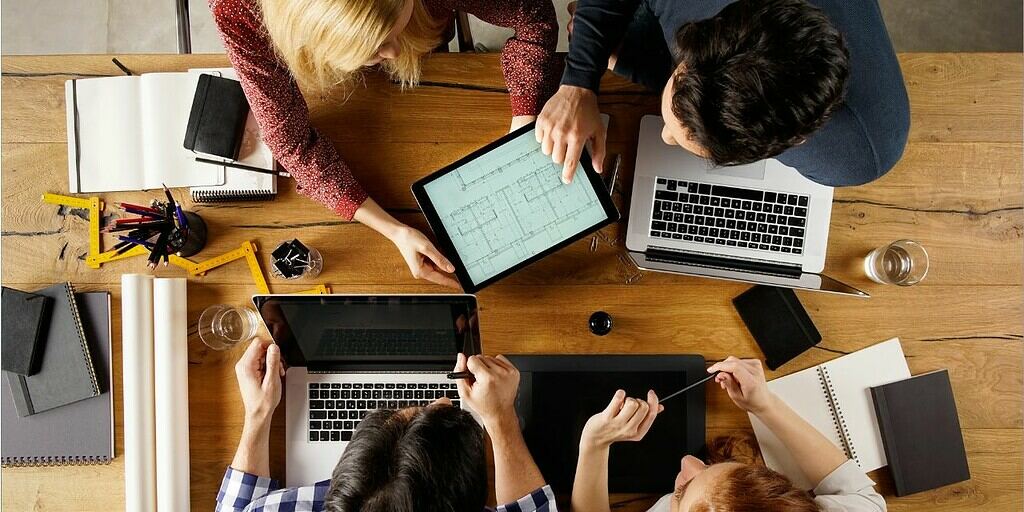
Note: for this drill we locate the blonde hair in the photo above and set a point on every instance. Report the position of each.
(326, 43)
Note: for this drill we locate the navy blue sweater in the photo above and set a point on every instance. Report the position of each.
(861, 142)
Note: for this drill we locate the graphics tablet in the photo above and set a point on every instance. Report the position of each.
(558, 394)
(505, 206)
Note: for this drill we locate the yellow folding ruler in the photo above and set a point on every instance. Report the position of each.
(95, 207)
(321, 289)
(247, 251)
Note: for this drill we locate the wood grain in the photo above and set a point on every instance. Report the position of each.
(958, 190)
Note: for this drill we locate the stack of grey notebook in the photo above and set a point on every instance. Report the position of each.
(63, 413)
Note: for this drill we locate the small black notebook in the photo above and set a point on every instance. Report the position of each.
(22, 329)
(921, 432)
(778, 322)
(66, 372)
(217, 120)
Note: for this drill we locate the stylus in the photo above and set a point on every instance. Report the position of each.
(460, 375)
(691, 386)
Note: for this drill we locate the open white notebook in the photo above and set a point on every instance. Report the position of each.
(835, 397)
(126, 132)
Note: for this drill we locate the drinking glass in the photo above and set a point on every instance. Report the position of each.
(222, 326)
(903, 263)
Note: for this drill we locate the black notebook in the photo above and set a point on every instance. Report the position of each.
(778, 322)
(66, 373)
(24, 319)
(217, 120)
(921, 432)
(78, 433)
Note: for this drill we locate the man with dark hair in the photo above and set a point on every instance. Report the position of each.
(812, 83)
(422, 459)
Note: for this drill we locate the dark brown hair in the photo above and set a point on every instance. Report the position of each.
(431, 461)
(757, 78)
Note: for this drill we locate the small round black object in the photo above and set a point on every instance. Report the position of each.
(600, 323)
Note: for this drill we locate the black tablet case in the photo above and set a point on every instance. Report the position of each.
(23, 330)
(573, 388)
(921, 432)
(778, 322)
(217, 119)
(66, 372)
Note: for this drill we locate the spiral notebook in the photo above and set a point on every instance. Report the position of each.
(835, 398)
(78, 433)
(240, 185)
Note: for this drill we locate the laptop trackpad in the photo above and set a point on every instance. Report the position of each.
(754, 171)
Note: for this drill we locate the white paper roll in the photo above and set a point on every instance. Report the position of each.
(137, 371)
(170, 340)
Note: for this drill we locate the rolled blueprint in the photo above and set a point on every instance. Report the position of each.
(137, 371)
(170, 342)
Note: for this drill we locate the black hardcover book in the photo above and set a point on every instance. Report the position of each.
(778, 322)
(22, 330)
(66, 372)
(921, 432)
(217, 120)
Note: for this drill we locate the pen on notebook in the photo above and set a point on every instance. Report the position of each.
(687, 388)
(460, 375)
(233, 165)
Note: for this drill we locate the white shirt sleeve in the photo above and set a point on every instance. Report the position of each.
(848, 489)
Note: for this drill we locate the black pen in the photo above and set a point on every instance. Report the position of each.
(691, 386)
(460, 375)
(233, 165)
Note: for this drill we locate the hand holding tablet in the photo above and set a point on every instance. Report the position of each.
(505, 206)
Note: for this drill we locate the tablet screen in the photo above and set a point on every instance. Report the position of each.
(509, 204)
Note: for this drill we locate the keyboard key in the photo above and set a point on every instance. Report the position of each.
(751, 215)
(371, 404)
(360, 404)
(698, 209)
(705, 189)
(783, 230)
(666, 234)
(342, 415)
(335, 385)
(658, 225)
(731, 243)
(346, 385)
(705, 200)
(716, 201)
(787, 241)
(788, 210)
(692, 230)
(335, 436)
(377, 394)
(719, 212)
(379, 385)
(677, 207)
(735, 203)
(767, 208)
(329, 404)
(801, 212)
(347, 425)
(665, 195)
(346, 436)
(796, 221)
(787, 249)
(734, 235)
(657, 205)
(772, 219)
(704, 231)
(661, 181)
(719, 223)
(730, 214)
(796, 232)
(737, 193)
(798, 242)
(713, 233)
(792, 199)
(762, 228)
(773, 229)
(769, 197)
(745, 205)
(720, 241)
(741, 225)
(692, 188)
(363, 413)
(783, 220)
(709, 221)
(756, 207)
(314, 435)
(399, 386)
(335, 394)
(671, 185)
(318, 415)
(314, 425)
(730, 224)
(755, 237)
(392, 404)
(776, 240)
(678, 217)
(745, 236)
(698, 221)
(698, 239)
(802, 201)
(761, 217)
(314, 394)
(332, 415)
(797, 251)
(316, 404)
(688, 238)
(777, 208)
(741, 243)
(688, 219)
(687, 208)
(763, 247)
(402, 404)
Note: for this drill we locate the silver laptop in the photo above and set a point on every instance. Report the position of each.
(348, 355)
(761, 223)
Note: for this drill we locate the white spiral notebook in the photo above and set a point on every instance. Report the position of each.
(835, 398)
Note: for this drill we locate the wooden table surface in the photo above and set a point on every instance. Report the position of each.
(957, 190)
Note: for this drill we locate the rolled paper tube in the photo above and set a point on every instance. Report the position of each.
(137, 371)
(170, 349)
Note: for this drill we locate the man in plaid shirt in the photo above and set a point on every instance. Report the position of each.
(421, 459)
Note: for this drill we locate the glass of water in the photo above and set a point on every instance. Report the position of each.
(903, 263)
(222, 326)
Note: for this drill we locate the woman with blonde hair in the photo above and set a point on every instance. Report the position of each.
(279, 48)
(728, 485)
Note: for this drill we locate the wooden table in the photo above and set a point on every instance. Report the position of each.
(957, 191)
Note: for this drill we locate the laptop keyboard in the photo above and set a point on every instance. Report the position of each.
(729, 216)
(335, 409)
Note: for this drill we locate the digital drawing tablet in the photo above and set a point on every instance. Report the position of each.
(558, 394)
(504, 207)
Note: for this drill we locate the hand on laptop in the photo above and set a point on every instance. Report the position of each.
(259, 373)
(744, 380)
(492, 390)
(568, 121)
(625, 419)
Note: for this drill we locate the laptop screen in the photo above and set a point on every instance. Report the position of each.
(335, 329)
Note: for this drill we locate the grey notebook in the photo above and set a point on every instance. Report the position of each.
(66, 372)
(77, 433)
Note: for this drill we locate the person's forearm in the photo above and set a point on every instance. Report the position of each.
(253, 454)
(371, 215)
(812, 451)
(590, 489)
(515, 472)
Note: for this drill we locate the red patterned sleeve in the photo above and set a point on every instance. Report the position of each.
(528, 59)
(281, 112)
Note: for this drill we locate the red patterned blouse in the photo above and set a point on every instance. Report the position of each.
(528, 63)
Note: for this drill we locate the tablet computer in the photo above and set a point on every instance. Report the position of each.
(504, 207)
(559, 393)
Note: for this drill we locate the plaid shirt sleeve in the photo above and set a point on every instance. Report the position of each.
(541, 500)
(239, 488)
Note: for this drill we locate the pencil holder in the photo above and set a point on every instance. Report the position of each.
(195, 239)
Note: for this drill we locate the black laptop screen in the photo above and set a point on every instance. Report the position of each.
(345, 329)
